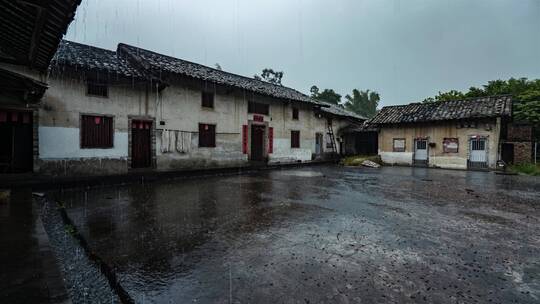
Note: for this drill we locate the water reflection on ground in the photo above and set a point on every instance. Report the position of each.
(321, 234)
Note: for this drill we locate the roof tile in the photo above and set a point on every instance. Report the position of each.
(481, 107)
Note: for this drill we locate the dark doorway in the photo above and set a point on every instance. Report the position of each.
(16, 144)
(141, 140)
(257, 142)
(507, 153)
(367, 143)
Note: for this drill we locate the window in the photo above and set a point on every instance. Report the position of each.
(207, 135)
(207, 100)
(478, 144)
(450, 145)
(96, 131)
(295, 113)
(399, 145)
(258, 108)
(295, 139)
(95, 88)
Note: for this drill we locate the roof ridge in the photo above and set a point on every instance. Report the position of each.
(89, 46)
(217, 70)
(448, 101)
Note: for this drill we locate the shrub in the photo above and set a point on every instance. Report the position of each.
(529, 169)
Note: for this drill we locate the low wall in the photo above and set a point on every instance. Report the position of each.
(81, 166)
(448, 162)
(396, 158)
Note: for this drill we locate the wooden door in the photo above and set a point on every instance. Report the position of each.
(257, 142)
(141, 141)
(16, 141)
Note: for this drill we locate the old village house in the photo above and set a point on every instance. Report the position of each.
(109, 112)
(453, 134)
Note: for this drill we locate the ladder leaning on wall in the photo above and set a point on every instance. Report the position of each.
(335, 152)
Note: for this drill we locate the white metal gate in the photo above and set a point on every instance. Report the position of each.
(420, 151)
(478, 153)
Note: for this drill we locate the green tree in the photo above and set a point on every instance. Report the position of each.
(271, 76)
(527, 107)
(363, 102)
(327, 95)
(446, 96)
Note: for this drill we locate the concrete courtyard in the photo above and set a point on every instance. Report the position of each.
(323, 234)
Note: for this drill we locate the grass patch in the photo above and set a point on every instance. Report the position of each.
(358, 159)
(529, 169)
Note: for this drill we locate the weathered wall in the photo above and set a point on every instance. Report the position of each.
(523, 152)
(59, 126)
(436, 133)
(177, 110)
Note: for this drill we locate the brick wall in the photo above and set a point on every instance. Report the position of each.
(519, 133)
(522, 152)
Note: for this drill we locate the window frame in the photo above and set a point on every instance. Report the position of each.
(295, 145)
(295, 113)
(450, 138)
(212, 142)
(90, 82)
(394, 149)
(252, 108)
(83, 133)
(207, 94)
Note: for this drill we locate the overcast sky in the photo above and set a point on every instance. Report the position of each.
(404, 49)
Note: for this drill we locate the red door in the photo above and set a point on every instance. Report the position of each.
(141, 156)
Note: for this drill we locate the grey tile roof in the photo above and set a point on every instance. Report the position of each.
(159, 63)
(339, 111)
(482, 107)
(92, 58)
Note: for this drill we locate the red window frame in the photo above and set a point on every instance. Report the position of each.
(399, 149)
(97, 132)
(207, 135)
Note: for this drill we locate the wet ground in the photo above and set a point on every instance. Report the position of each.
(29, 272)
(320, 234)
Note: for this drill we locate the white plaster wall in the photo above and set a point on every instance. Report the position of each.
(284, 153)
(64, 143)
(179, 106)
(448, 162)
(397, 158)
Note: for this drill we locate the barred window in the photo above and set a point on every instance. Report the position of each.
(96, 131)
(207, 135)
(95, 88)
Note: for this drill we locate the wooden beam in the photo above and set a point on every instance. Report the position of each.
(35, 3)
(41, 17)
